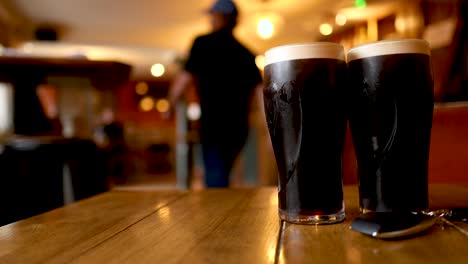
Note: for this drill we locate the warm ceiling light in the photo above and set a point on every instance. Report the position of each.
(325, 29)
(146, 104)
(157, 70)
(341, 19)
(260, 62)
(265, 28)
(162, 105)
(141, 88)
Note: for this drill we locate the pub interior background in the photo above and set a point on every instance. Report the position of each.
(143, 44)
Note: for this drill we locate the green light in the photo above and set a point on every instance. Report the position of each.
(360, 3)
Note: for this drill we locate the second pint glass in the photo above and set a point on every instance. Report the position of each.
(391, 95)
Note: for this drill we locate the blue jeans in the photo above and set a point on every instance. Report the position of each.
(218, 162)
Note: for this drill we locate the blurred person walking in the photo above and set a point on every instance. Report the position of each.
(225, 76)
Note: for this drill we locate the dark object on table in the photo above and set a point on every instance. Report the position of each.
(458, 214)
(392, 225)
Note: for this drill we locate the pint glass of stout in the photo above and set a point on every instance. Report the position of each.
(391, 98)
(303, 99)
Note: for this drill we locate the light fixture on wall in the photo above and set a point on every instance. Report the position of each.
(341, 19)
(141, 88)
(325, 29)
(162, 105)
(146, 104)
(157, 70)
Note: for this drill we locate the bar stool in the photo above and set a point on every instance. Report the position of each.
(39, 174)
(31, 179)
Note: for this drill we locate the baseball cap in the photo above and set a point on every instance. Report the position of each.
(226, 7)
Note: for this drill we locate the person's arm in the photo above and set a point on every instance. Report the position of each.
(183, 81)
(186, 78)
(259, 96)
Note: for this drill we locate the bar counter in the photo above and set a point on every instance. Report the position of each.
(217, 226)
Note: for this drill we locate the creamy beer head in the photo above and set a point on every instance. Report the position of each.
(389, 47)
(313, 50)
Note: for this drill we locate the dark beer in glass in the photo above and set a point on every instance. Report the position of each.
(303, 99)
(391, 104)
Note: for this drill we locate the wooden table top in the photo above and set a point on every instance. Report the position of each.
(216, 226)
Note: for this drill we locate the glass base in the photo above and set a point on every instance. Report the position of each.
(296, 218)
(365, 211)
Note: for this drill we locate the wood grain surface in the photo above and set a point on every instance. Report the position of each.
(337, 244)
(217, 226)
(206, 227)
(63, 234)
